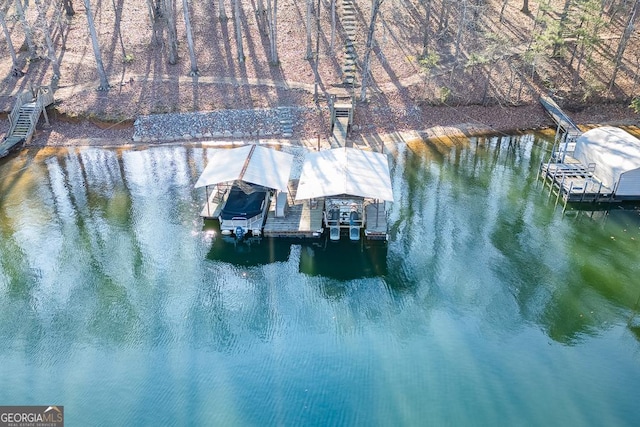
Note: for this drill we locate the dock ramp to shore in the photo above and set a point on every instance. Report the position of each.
(342, 109)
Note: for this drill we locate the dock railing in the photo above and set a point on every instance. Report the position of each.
(23, 98)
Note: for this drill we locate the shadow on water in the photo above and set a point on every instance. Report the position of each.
(246, 253)
(343, 260)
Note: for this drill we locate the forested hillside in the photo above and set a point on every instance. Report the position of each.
(182, 55)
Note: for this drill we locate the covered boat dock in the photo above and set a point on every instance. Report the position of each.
(603, 166)
(354, 187)
(230, 169)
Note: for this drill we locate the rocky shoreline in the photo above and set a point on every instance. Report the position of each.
(308, 125)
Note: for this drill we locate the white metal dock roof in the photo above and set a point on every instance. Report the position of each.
(614, 151)
(345, 171)
(250, 163)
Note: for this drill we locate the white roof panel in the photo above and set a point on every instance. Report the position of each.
(345, 171)
(613, 150)
(249, 163)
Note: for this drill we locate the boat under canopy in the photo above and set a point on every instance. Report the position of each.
(250, 163)
(244, 181)
(347, 171)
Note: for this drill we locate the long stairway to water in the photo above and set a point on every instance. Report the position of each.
(349, 24)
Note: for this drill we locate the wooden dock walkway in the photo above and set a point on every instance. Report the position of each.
(573, 182)
(376, 221)
(302, 219)
(567, 178)
(559, 117)
(212, 208)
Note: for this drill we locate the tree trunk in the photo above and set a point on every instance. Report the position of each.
(192, 52)
(525, 7)
(375, 9)
(44, 27)
(104, 83)
(622, 46)
(68, 7)
(444, 14)
(333, 26)
(272, 14)
(156, 35)
(168, 13)
(427, 25)
(28, 33)
(309, 53)
(238, 25)
(561, 27)
(12, 51)
(118, 12)
(504, 6)
(262, 17)
(222, 14)
(461, 26)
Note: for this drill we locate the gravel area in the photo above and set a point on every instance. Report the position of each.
(215, 124)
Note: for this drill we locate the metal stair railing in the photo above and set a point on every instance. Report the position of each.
(23, 98)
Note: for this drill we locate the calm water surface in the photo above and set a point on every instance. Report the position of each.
(487, 307)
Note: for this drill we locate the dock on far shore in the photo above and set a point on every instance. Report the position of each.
(599, 165)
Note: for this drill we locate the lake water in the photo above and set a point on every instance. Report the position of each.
(487, 306)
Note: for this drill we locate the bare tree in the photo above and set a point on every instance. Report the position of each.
(44, 27)
(12, 51)
(162, 15)
(222, 14)
(118, 12)
(28, 32)
(427, 26)
(309, 53)
(192, 51)
(262, 17)
(104, 82)
(622, 46)
(333, 25)
(156, 25)
(504, 6)
(445, 10)
(375, 10)
(238, 26)
(68, 7)
(461, 25)
(272, 19)
(169, 16)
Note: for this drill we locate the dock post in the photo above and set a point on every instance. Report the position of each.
(206, 189)
(584, 191)
(559, 190)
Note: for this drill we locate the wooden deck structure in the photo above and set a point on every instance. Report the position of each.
(341, 108)
(375, 227)
(301, 219)
(24, 117)
(567, 178)
(573, 182)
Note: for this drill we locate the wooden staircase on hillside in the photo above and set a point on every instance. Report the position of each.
(24, 117)
(350, 27)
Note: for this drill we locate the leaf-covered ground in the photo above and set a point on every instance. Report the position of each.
(474, 72)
